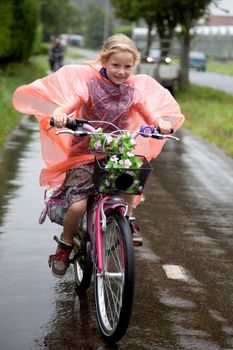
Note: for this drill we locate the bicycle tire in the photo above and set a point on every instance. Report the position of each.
(83, 266)
(115, 289)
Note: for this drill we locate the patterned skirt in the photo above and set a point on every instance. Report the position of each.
(77, 186)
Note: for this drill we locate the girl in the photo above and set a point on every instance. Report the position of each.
(105, 89)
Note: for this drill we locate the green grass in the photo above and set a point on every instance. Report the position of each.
(12, 76)
(225, 67)
(220, 67)
(209, 114)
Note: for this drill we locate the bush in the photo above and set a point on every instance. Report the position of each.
(18, 28)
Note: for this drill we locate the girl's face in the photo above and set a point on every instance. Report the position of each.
(119, 67)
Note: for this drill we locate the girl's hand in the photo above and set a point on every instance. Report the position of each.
(60, 117)
(165, 126)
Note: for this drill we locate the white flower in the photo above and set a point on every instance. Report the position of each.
(114, 158)
(107, 183)
(130, 154)
(133, 142)
(97, 145)
(140, 189)
(108, 139)
(121, 162)
(127, 163)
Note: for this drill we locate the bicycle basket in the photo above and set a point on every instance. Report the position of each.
(124, 180)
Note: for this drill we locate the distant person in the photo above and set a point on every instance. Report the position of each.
(56, 55)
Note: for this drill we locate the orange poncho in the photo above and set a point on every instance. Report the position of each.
(83, 90)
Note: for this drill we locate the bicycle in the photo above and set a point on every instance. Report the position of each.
(103, 244)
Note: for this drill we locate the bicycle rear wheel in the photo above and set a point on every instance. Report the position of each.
(83, 265)
(114, 289)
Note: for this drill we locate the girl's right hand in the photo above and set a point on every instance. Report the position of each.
(60, 117)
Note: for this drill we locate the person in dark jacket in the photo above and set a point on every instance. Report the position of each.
(56, 55)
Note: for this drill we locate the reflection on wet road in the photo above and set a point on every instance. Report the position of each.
(184, 282)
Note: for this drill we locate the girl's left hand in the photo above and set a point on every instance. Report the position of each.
(165, 126)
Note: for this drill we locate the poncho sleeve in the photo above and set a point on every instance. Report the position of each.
(66, 88)
(152, 102)
(155, 102)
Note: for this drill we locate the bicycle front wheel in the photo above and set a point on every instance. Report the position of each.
(114, 288)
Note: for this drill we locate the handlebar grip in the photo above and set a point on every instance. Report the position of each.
(159, 130)
(71, 124)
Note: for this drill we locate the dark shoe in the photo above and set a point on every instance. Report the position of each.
(59, 262)
(136, 233)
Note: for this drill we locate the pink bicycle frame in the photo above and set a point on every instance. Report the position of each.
(105, 204)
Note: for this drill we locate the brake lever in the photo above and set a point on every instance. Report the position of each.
(159, 136)
(69, 131)
(65, 131)
(171, 137)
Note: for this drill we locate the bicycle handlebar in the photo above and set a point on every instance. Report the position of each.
(82, 127)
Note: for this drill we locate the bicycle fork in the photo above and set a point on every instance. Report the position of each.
(105, 205)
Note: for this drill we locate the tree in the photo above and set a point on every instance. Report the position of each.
(132, 10)
(94, 31)
(59, 17)
(19, 21)
(186, 14)
(6, 22)
(167, 15)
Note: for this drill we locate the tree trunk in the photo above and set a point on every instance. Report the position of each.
(184, 61)
(185, 47)
(149, 38)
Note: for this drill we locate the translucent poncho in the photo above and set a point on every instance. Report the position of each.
(83, 90)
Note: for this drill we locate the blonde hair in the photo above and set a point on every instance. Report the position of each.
(119, 43)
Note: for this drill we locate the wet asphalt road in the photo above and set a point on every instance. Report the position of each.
(184, 282)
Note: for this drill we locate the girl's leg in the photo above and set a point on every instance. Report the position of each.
(129, 198)
(72, 219)
(59, 262)
(136, 231)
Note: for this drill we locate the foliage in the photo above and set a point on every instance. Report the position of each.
(19, 21)
(6, 22)
(59, 17)
(186, 13)
(124, 29)
(119, 159)
(166, 15)
(12, 76)
(94, 19)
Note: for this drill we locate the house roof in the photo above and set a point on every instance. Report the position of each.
(219, 21)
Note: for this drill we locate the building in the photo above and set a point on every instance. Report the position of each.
(214, 37)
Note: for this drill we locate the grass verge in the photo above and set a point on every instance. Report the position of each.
(209, 115)
(12, 76)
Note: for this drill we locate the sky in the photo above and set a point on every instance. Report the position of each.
(224, 4)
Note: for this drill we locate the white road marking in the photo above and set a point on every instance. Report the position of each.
(176, 272)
